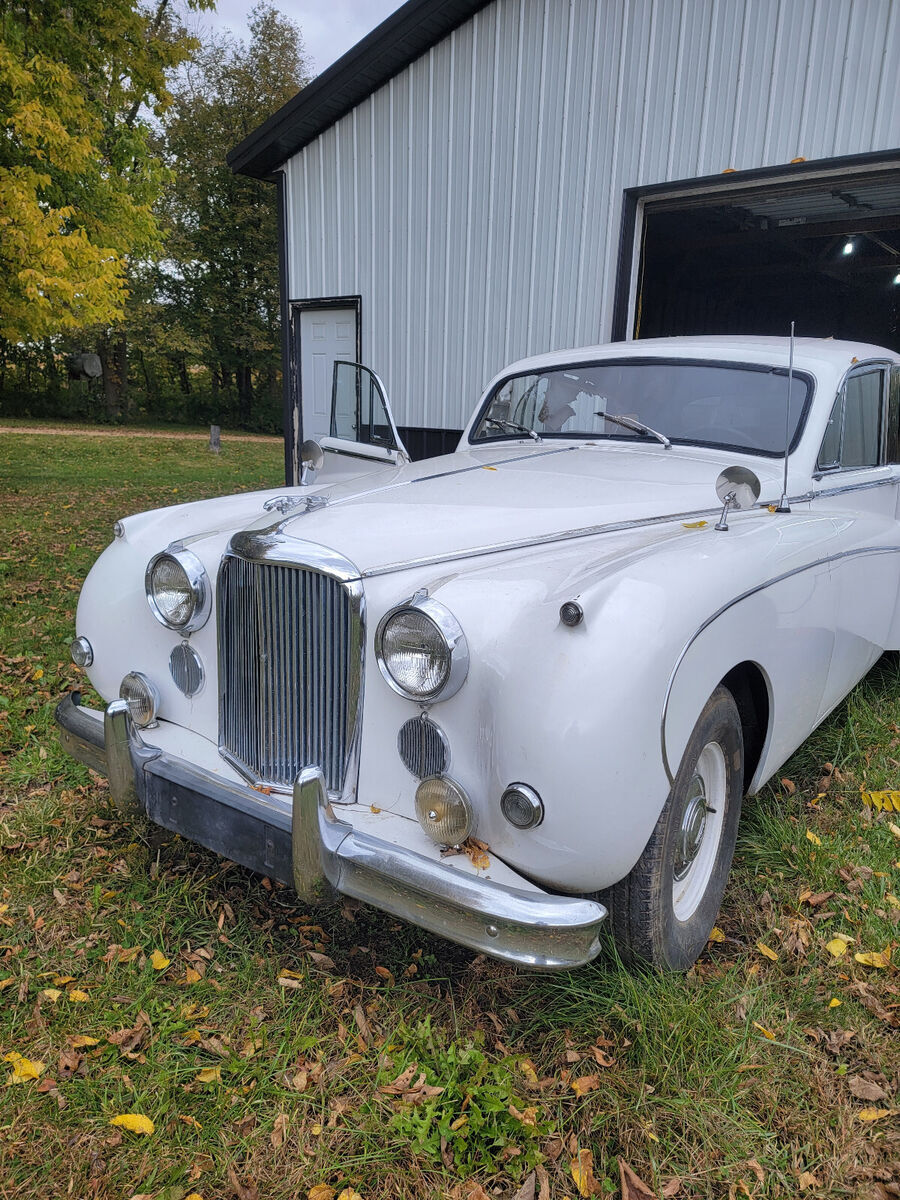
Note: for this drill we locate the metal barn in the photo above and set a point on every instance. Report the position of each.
(476, 181)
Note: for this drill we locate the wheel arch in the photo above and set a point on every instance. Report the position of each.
(750, 689)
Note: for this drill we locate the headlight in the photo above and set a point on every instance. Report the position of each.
(421, 650)
(178, 590)
(142, 698)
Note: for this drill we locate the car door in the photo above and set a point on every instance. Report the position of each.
(857, 477)
(362, 424)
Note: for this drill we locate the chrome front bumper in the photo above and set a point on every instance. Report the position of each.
(312, 845)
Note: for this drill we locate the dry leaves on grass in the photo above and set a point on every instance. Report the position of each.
(865, 1089)
(23, 1069)
(633, 1188)
(582, 1168)
(875, 958)
(410, 1089)
(584, 1084)
(134, 1123)
(158, 960)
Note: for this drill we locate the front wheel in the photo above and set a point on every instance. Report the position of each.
(663, 911)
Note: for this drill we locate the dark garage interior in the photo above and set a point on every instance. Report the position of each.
(825, 255)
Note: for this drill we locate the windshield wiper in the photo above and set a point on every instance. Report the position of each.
(512, 425)
(636, 427)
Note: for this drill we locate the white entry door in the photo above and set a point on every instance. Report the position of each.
(326, 334)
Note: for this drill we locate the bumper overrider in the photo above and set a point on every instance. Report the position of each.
(311, 846)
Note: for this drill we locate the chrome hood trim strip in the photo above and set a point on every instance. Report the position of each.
(543, 539)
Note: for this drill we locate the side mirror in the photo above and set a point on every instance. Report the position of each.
(737, 488)
(311, 458)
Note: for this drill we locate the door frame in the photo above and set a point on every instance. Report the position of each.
(294, 427)
(839, 169)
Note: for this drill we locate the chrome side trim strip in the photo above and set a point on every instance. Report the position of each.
(542, 539)
(760, 587)
(854, 487)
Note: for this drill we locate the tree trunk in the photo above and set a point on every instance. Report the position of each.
(113, 354)
(245, 393)
(184, 378)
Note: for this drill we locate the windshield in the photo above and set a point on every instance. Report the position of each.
(718, 404)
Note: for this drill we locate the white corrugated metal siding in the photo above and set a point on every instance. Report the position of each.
(475, 201)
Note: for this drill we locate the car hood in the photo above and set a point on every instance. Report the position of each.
(479, 500)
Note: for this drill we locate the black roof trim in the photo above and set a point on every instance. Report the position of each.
(393, 45)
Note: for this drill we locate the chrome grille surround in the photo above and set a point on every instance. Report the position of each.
(291, 639)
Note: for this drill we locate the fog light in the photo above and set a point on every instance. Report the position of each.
(142, 698)
(82, 652)
(444, 810)
(522, 806)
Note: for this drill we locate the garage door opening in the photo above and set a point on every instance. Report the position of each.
(824, 254)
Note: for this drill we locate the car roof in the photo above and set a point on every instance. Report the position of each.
(813, 354)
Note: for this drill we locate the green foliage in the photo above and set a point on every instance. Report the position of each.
(78, 174)
(478, 1118)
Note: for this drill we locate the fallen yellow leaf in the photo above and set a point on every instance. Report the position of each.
(23, 1069)
(194, 1196)
(77, 996)
(767, 951)
(209, 1075)
(8, 982)
(873, 1114)
(875, 958)
(61, 980)
(158, 960)
(584, 1084)
(716, 934)
(316, 1130)
(80, 1040)
(834, 1002)
(582, 1169)
(459, 1122)
(51, 994)
(892, 900)
(807, 1180)
(192, 976)
(895, 829)
(811, 837)
(321, 1191)
(767, 1033)
(349, 1194)
(837, 947)
(526, 1066)
(134, 1122)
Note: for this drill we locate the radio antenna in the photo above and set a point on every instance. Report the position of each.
(783, 506)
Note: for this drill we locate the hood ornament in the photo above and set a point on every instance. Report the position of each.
(286, 504)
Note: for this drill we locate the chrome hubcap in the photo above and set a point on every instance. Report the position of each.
(693, 826)
(700, 832)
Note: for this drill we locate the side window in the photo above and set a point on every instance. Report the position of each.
(853, 436)
(359, 411)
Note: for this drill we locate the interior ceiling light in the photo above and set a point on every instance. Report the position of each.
(897, 279)
(849, 246)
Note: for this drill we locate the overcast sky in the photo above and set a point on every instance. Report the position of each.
(330, 27)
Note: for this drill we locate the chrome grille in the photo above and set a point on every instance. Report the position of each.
(288, 636)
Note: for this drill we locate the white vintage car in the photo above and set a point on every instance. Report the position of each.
(573, 645)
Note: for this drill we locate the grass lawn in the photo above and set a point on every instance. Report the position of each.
(142, 975)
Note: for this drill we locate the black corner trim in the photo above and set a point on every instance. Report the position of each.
(401, 39)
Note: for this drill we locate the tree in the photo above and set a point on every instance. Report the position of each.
(220, 274)
(78, 174)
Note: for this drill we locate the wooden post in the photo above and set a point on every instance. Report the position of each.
(214, 438)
